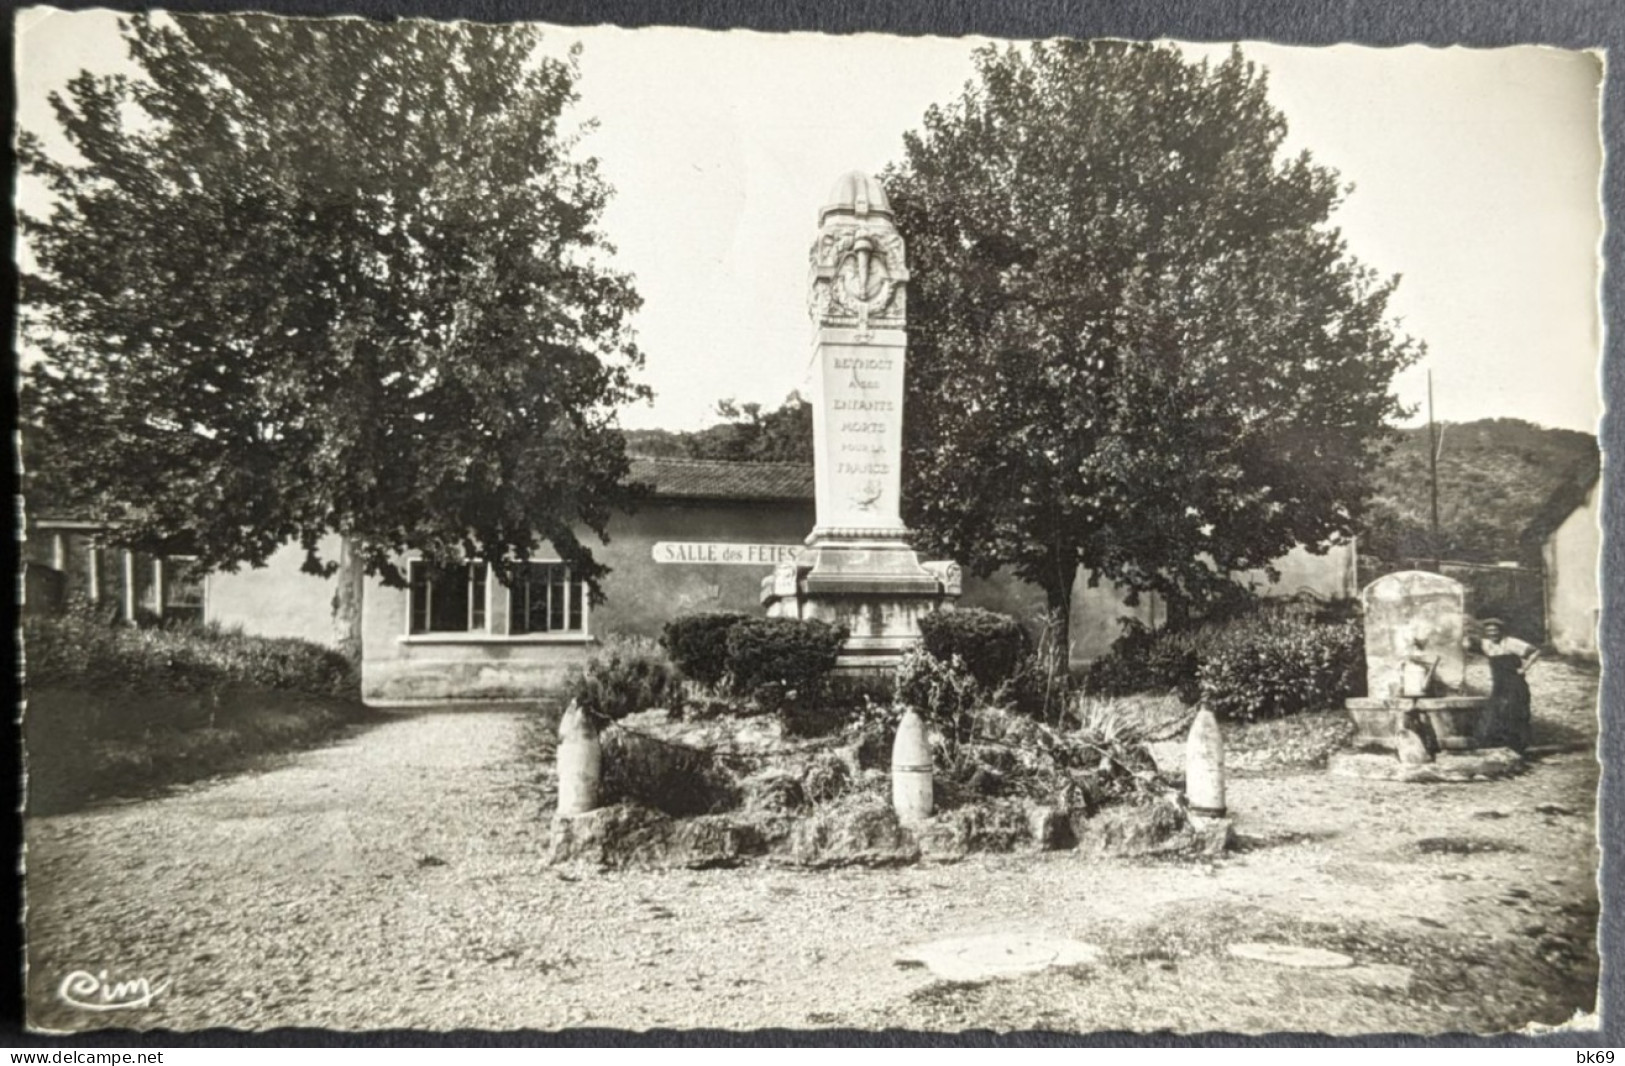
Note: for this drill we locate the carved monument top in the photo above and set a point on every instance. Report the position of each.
(856, 193)
(858, 260)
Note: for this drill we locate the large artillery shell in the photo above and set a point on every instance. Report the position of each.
(911, 771)
(580, 759)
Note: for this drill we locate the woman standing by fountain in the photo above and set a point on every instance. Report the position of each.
(1506, 719)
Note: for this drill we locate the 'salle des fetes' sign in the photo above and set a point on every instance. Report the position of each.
(724, 553)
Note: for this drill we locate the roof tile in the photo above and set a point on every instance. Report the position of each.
(720, 479)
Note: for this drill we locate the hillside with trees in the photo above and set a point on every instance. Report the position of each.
(1494, 476)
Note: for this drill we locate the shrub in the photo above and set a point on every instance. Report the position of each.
(274, 663)
(1043, 682)
(1115, 674)
(852, 694)
(941, 690)
(82, 649)
(1143, 660)
(1279, 663)
(1173, 663)
(826, 778)
(803, 718)
(630, 674)
(790, 653)
(991, 645)
(1305, 654)
(1108, 727)
(1102, 759)
(698, 644)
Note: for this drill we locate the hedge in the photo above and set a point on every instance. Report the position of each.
(793, 653)
(992, 646)
(698, 644)
(1271, 661)
(1143, 660)
(83, 649)
(1282, 665)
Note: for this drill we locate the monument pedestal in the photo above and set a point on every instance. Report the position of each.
(876, 587)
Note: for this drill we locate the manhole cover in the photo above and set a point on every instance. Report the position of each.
(1291, 955)
(1463, 846)
(980, 958)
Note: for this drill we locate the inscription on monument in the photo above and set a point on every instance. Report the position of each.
(863, 393)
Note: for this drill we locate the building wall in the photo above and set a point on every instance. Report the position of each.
(1097, 617)
(277, 600)
(1097, 612)
(1573, 599)
(1330, 575)
(642, 594)
(402, 669)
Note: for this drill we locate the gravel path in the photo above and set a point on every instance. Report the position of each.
(399, 879)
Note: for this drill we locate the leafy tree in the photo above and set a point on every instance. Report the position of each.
(748, 434)
(328, 276)
(1136, 346)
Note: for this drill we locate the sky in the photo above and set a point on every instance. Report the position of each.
(1476, 177)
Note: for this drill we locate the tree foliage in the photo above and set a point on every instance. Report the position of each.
(327, 276)
(749, 434)
(746, 434)
(1136, 345)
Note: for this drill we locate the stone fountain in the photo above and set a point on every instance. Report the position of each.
(1415, 662)
(1417, 703)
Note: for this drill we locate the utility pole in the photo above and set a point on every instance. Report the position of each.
(1433, 476)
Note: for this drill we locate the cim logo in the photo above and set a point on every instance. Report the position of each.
(96, 991)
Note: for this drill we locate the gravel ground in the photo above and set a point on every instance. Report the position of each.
(398, 879)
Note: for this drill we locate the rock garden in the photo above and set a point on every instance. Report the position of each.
(736, 740)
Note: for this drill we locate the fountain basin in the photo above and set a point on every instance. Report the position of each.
(1454, 719)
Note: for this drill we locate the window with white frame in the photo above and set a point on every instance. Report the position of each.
(447, 599)
(181, 589)
(544, 599)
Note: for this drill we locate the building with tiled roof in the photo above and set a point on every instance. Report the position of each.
(720, 479)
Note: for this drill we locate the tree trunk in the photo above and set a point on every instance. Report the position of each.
(1059, 601)
(1178, 609)
(347, 589)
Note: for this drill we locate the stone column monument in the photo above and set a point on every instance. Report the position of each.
(857, 569)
